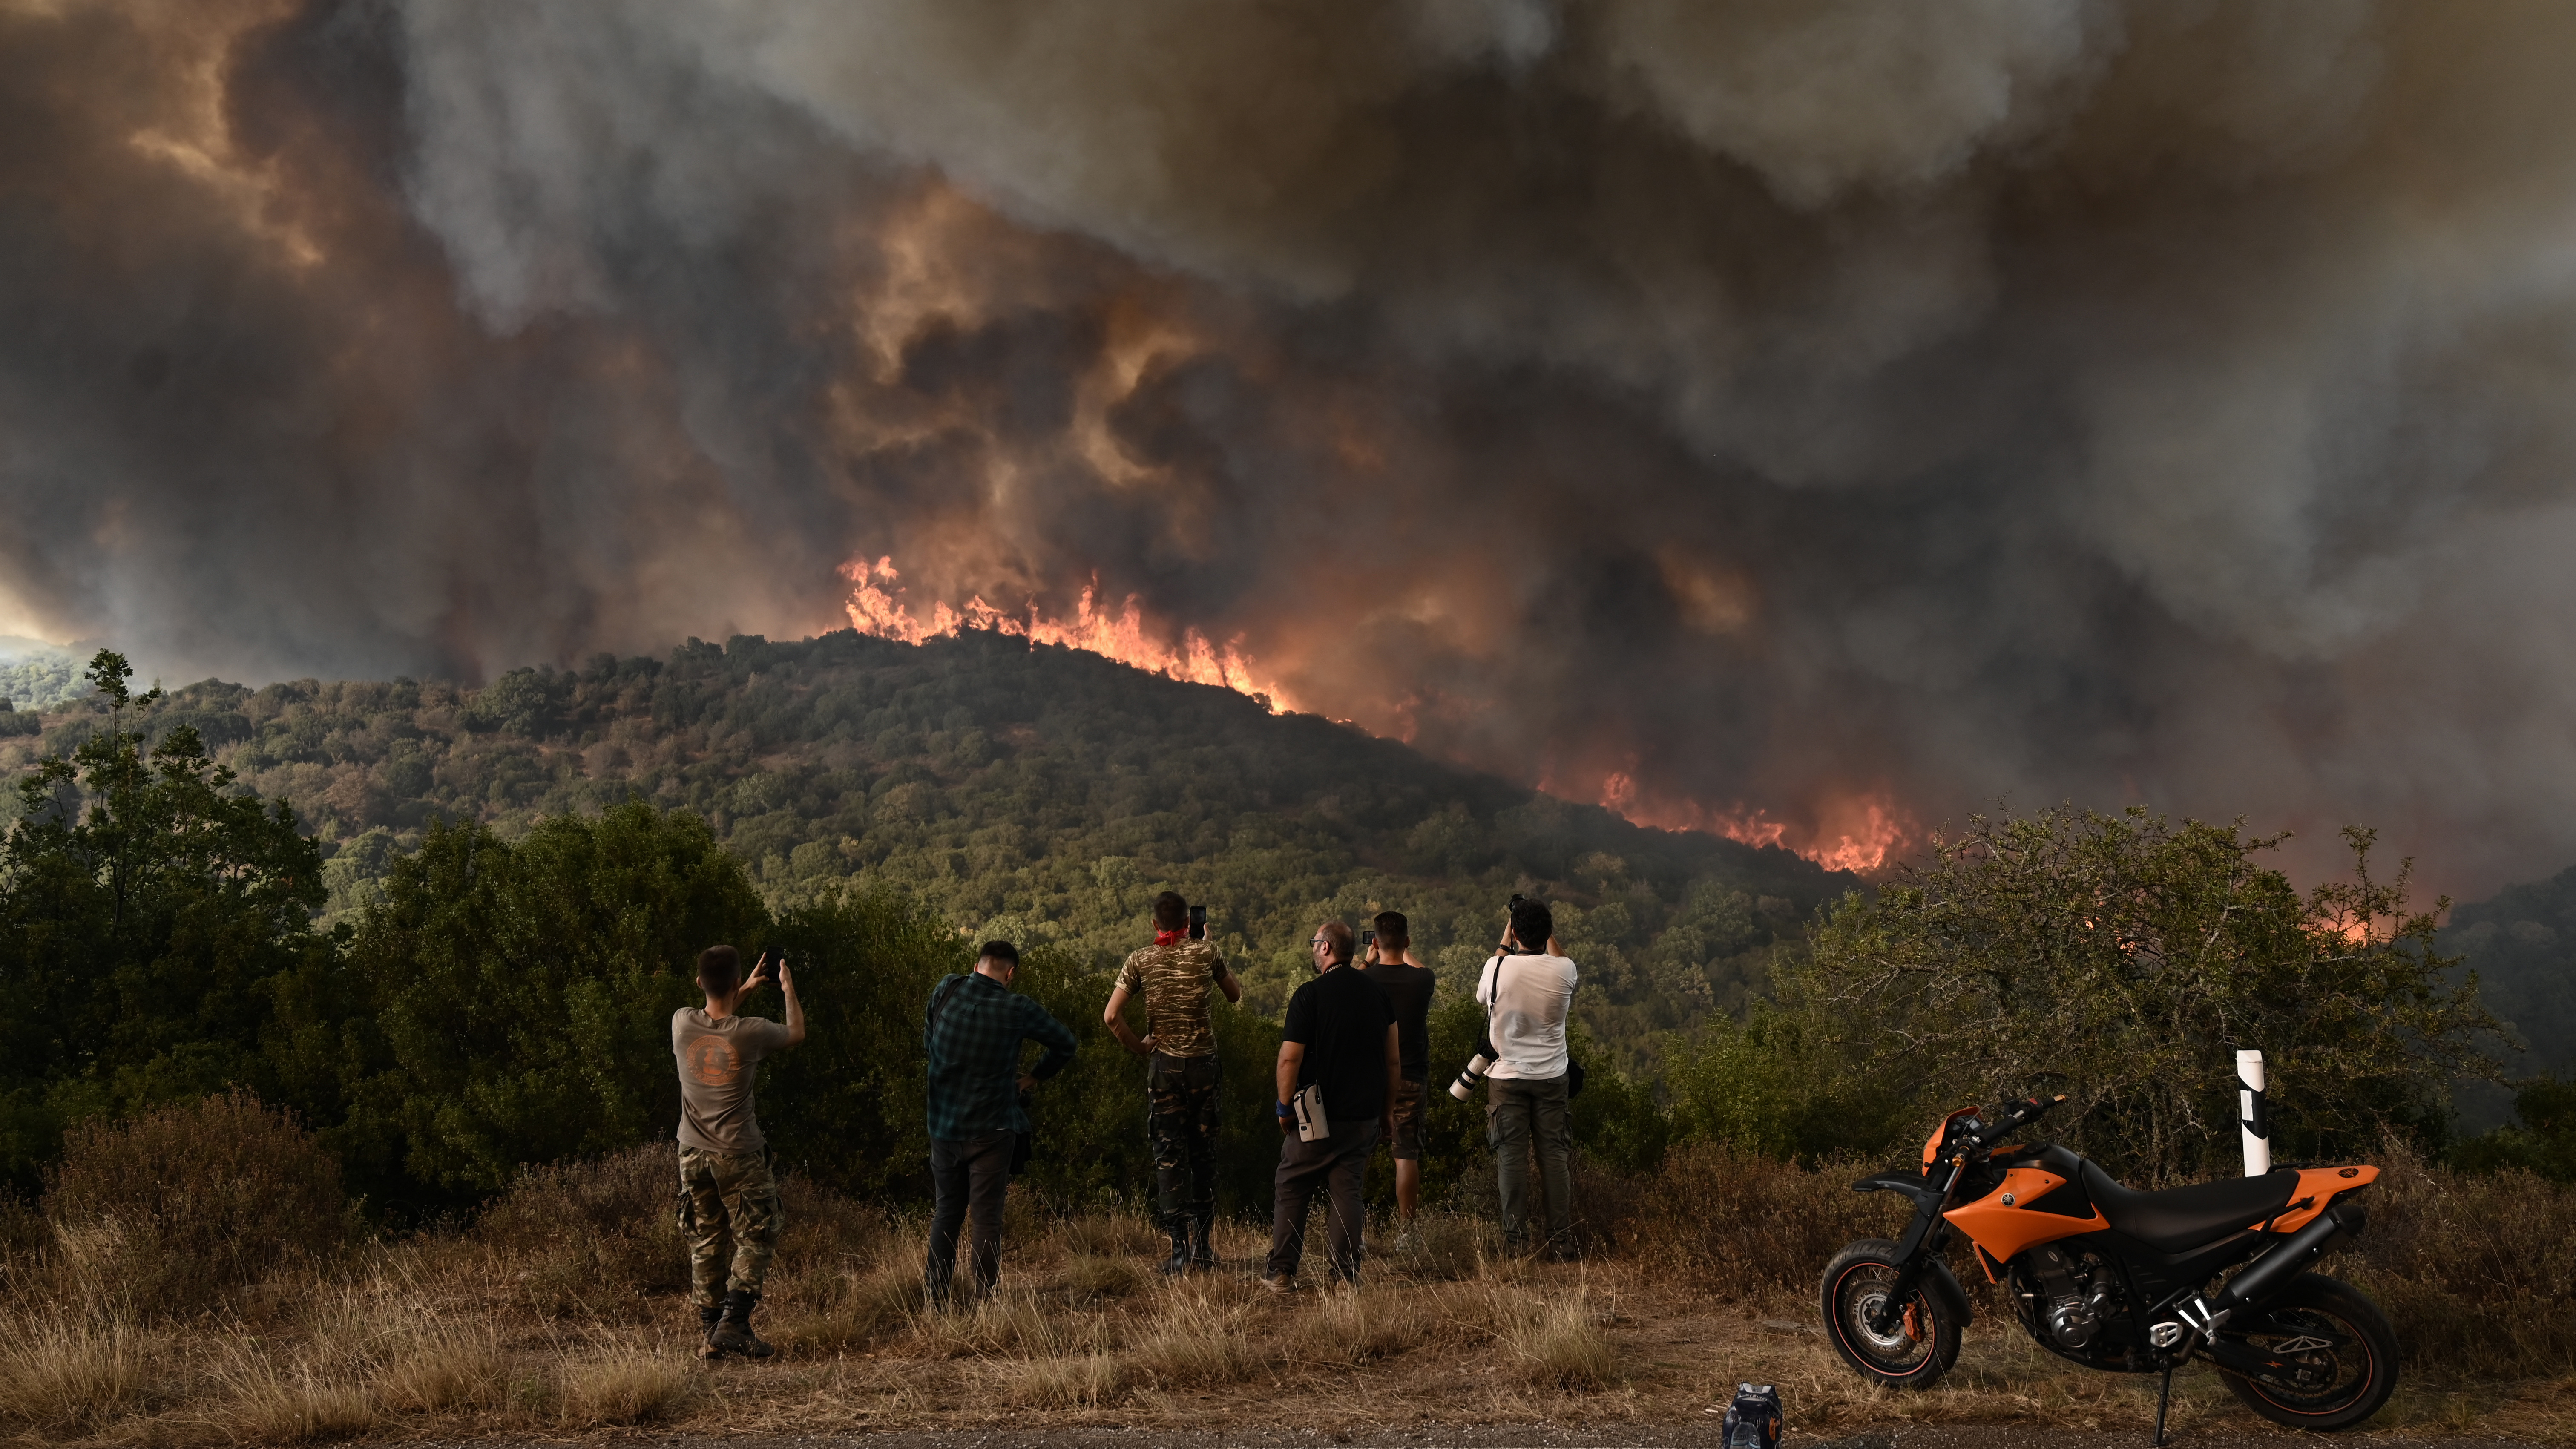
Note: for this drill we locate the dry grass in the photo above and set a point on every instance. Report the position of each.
(441, 1367)
(625, 1384)
(1198, 1332)
(63, 1370)
(267, 1399)
(1078, 1381)
(484, 1333)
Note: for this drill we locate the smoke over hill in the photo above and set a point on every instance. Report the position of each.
(1812, 419)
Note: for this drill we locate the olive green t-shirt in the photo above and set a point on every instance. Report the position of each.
(1174, 981)
(718, 1060)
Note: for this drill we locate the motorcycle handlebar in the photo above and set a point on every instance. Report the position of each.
(2013, 1116)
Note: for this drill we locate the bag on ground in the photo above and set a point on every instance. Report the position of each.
(1753, 1420)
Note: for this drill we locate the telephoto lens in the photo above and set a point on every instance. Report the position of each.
(1465, 1087)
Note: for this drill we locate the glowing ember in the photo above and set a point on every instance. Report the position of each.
(1857, 835)
(876, 607)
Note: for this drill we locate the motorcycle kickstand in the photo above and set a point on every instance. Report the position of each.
(2164, 1397)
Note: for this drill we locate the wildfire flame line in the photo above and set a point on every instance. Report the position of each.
(1857, 835)
(876, 607)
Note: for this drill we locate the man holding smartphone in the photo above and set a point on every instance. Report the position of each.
(728, 1196)
(1174, 975)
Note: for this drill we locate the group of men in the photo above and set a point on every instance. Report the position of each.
(1353, 1071)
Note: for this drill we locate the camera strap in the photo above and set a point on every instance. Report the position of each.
(939, 1000)
(1493, 998)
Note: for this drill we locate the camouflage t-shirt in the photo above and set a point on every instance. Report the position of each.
(1174, 981)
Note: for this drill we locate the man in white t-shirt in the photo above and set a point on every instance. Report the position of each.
(1526, 990)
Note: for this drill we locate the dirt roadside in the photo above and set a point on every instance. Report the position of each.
(1495, 1436)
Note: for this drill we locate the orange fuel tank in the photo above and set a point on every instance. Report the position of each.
(2001, 1223)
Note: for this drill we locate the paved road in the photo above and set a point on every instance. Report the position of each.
(1680, 1436)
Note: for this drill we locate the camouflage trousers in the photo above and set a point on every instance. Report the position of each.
(727, 1195)
(1180, 1125)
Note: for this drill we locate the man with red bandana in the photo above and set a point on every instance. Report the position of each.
(1174, 975)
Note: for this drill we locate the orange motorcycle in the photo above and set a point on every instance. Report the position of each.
(2127, 1282)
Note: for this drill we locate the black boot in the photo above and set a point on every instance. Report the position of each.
(708, 1318)
(733, 1334)
(1202, 1249)
(1179, 1262)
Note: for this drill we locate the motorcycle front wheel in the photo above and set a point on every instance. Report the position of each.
(2337, 1355)
(1916, 1350)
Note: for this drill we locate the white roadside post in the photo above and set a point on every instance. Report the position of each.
(2250, 1117)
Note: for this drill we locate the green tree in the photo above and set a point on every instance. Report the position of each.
(2541, 1138)
(147, 911)
(2118, 959)
(514, 998)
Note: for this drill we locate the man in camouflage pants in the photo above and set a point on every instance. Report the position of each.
(728, 1196)
(1174, 975)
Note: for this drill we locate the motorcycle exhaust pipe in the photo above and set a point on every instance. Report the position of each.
(2274, 1270)
(2267, 1274)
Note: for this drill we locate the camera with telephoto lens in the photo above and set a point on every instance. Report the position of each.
(1464, 1089)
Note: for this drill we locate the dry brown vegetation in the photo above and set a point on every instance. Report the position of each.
(558, 1310)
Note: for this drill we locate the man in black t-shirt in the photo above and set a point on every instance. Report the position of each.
(1407, 984)
(1340, 1037)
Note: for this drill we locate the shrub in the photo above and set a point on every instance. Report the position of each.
(175, 1209)
(603, 1234)
(1741, 1223)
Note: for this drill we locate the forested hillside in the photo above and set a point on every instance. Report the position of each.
(34, 675)
(2522, 943)
(1041, 794)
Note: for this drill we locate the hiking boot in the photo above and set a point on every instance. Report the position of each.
(733, 1334)
(1202, 1248)
(708, 1318)
(1179, 1262)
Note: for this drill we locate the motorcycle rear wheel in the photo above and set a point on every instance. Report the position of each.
(2342, 1351)
(1917, 1351)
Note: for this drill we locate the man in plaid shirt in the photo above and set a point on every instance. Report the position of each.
(972, 1032)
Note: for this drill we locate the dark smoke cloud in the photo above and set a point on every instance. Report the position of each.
(1782, 405)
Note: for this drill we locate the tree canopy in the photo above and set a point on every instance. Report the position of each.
(2115, 958)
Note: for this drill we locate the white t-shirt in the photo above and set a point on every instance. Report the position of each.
(1527, 1016)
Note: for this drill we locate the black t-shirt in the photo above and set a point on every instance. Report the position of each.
(1341, 1018)
(1408, 991)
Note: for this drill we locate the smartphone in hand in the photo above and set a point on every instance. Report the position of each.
(1198, 923)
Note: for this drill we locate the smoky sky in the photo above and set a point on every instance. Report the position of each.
(1781, 405)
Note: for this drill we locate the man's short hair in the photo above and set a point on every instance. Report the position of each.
(719, 970)
(1337, 942)
(1002, 951)
(1170, 911)
(1391, 931)
(1533, 923)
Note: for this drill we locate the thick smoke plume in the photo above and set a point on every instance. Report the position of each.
(1749, 410)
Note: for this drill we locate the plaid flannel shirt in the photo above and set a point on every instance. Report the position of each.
(973, 1042)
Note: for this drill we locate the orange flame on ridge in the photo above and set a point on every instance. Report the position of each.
(1857, 834)
(876, 607)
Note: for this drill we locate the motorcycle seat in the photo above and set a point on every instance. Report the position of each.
(2180, 1219)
